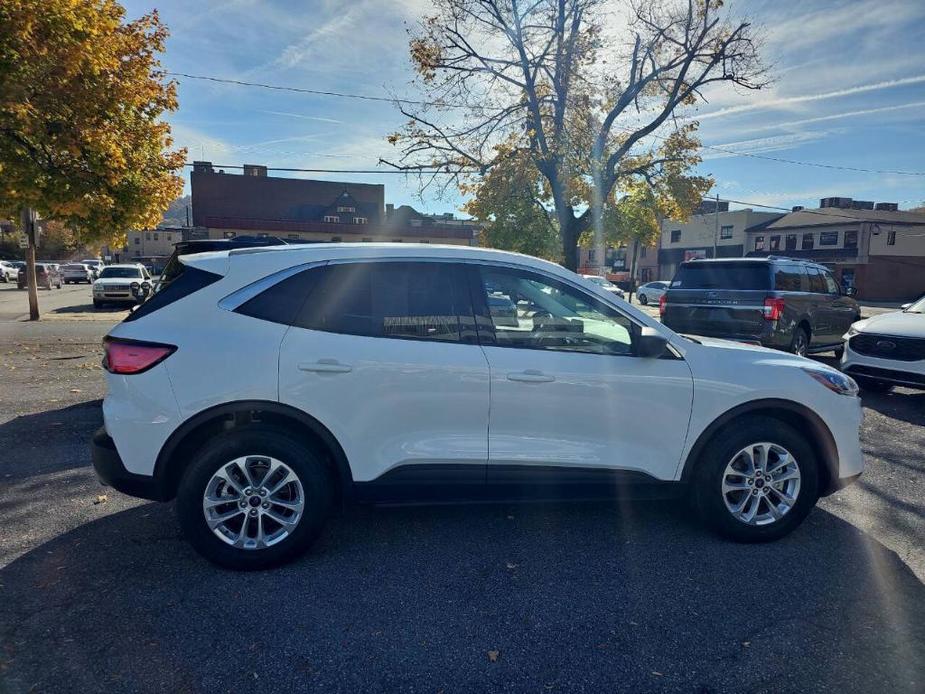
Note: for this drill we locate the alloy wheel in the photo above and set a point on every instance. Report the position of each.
(761, 484)
(253, 502)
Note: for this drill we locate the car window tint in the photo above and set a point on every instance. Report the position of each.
(279, 304)
(415, 300)
(830, 284)
(530, 311)
(816, 281)
(787, 278)
(722, 275)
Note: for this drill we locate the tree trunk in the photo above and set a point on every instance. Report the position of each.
(568, 229)
(27, 221)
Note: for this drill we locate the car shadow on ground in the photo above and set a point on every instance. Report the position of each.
(901, 403)
(628, 596)
(90, 308)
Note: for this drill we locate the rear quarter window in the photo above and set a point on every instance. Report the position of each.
(192, 280)
(722, 276)
(788, 278)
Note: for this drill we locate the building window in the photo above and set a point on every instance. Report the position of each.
(642, 253)
(155, 237)
(360, 220)
(415, 222)
(891, 238)
(809, 241)
(675, 235)
(725, 232)
(592, 255)
(851, 238)
(336, 239)
(138, 239)
(229, 234)
(367, 239)
(292, 236)
(331, 219)
(346, 209)
(137, 253)
(791, 242)
(828, 238)
(147, 236)
(759, 243)
(774, 244)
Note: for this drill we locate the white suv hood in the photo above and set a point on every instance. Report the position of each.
(895, 323)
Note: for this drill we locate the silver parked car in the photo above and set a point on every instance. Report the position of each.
(651, 292)
(605, 284)
(74, 273)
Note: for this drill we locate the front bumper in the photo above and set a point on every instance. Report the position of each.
(902, 373)
(111, 471)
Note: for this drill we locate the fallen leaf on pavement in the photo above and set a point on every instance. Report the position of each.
(101, 499)
(493, 656)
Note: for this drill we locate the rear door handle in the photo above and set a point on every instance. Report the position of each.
(530, 376)
(325, 366)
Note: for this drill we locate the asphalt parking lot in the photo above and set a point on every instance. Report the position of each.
(100, 592)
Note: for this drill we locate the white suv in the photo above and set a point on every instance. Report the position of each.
(264, 387)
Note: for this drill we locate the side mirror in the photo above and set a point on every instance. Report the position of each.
(651, 344)
(851, 291)
(905, 306)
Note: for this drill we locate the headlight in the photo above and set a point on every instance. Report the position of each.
(835, 381)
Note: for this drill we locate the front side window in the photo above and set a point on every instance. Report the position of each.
(831, 285)
(413, 300)
(531, 311)
(816, 281)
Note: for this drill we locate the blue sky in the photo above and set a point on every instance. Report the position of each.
(849, 90)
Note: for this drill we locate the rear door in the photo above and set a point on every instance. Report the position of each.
(824, 325)
(719, 299)
(384, 354)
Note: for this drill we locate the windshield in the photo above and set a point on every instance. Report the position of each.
(917, 307)
(121, 273)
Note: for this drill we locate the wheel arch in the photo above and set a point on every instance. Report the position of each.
(793, 413)
(195, 431)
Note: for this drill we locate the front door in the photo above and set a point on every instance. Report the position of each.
(384, 353)
(567, 392)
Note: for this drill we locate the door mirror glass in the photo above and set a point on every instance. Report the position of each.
(850, 291)
(650, 343)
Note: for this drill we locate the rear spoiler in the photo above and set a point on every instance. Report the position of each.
(215, 262)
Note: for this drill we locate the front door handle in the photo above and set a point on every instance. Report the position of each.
(530, 376)
(325, 366)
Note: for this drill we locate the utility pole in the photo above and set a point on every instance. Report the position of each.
(27, 221)
(716, 225)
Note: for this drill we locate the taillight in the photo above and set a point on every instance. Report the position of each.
(773, 309)
(662, 300)
(130, 357)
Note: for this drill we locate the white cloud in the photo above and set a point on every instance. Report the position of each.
(763, 144)
(302, 116)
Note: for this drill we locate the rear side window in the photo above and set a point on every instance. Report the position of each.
(788, 278)
(282, 302)
(722, 276)
(414, 300)
(192, 280)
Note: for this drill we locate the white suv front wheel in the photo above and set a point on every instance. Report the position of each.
(756, 481)
(254, 498)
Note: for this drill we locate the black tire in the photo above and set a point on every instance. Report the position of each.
(314, 475)
(711, 466)
(799, 343)
(643, 299)
(872, 385)
(97, 304)
(839, 352)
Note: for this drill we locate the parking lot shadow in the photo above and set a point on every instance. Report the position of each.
(617, 597)
(89, 308)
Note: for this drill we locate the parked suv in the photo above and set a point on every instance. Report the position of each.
(264, 387)
(782, 303)
(47, 275)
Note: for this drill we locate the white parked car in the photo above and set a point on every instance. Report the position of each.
(95, 264)
(651, 292)
(8, 271)
(265, 386)
(128, 283)
(76, 273)
(605, 284)
(888, 349)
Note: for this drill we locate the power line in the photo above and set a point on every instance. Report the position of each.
(368, 97)
(346, 171)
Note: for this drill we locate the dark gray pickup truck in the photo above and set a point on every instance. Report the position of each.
(788, 304)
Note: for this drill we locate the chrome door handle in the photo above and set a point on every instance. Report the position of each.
(326, 366)
(530, 376)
